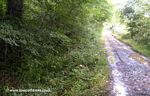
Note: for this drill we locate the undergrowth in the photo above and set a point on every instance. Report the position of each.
(57, 45)
(78, 69)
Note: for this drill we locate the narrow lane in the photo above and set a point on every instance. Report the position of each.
(130, 71)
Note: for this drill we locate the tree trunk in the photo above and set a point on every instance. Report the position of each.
(15, 8)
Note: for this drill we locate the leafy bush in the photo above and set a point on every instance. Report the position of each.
(136, 16)
(59, 45)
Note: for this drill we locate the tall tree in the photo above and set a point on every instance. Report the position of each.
(15, 8)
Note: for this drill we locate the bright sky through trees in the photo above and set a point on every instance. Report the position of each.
(119, 3)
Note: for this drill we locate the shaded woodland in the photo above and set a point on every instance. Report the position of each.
(53, 44)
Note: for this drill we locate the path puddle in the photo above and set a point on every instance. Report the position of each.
(111, 59)
(138, 58)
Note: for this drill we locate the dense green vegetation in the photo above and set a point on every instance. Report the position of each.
(136, 15)
(54, 44)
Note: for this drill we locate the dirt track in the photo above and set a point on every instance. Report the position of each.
(130, 71)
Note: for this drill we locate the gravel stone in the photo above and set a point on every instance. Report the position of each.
(130, 71)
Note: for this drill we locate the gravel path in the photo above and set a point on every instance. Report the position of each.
(130, 71)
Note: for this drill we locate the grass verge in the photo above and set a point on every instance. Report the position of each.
(102, 75)
(138, 47)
